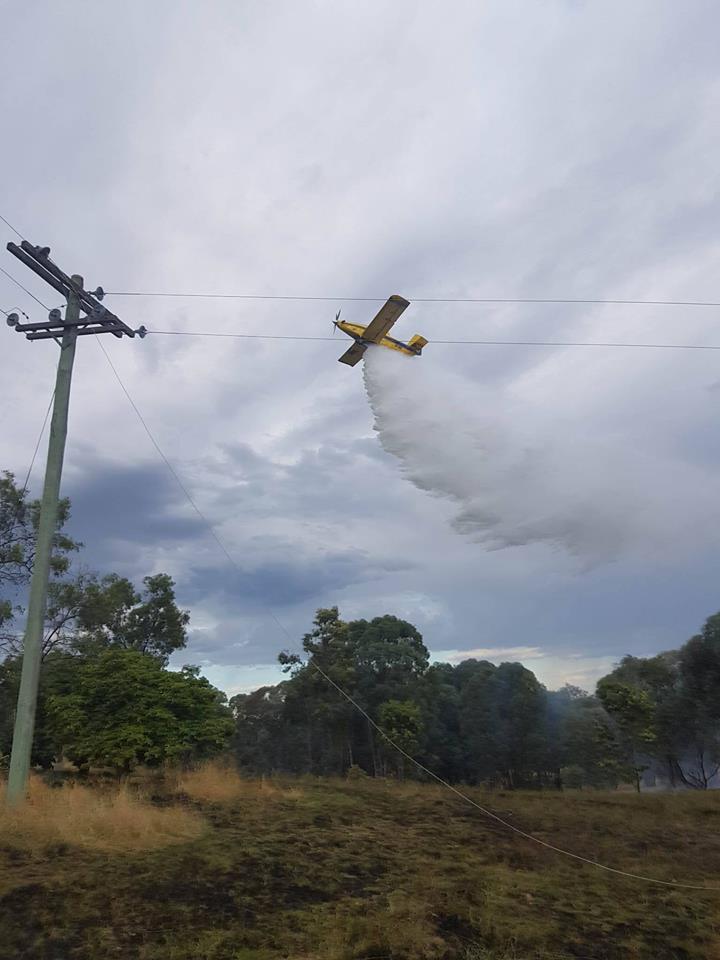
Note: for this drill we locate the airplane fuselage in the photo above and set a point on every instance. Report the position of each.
(356, 331)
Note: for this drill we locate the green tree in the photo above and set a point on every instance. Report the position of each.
(112, 613)
(373, 661)
(697, 706)
(660, 678)
(479, 720)
(677, 690)
(86, 612)
(390, 661)
(265, 739)
(503, 723)
(583, 740)
(401, 721)
(9, 677)
(19, 519)
(521, 733)
(441, 748)
(124, 708)
(312, 703)
(633, 713)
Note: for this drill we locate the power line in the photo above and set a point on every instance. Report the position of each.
(26, 484)
(581, 343)
(490, 300)
(484, 810)
(37, 445)
(549, 300)
(18, 284)
(164, 458)
(493, 343)
(15, 309)
(241, 336)
(14, 229)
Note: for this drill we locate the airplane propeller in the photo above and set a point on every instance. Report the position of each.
(335, 321)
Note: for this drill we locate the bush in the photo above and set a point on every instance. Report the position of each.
(356, 773)
(125, 709)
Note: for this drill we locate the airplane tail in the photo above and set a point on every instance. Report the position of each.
(417, 343)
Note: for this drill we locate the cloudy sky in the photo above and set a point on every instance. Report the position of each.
(498, 150)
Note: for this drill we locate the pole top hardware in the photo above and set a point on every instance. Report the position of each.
(97, 319)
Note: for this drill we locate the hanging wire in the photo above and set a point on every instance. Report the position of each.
(488, 300)
(14, 229)
(25, 289)
(485, 343)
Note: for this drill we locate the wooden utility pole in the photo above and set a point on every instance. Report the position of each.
(65, 331)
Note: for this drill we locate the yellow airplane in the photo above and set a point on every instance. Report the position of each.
(377, 332)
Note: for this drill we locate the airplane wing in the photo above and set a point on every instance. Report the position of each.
(353, 355)
(386, 317)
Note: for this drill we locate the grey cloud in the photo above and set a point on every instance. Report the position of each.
(118, 508)
(275, 574)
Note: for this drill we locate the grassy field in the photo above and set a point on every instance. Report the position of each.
(211, 867)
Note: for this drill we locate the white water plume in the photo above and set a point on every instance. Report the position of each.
(513, 478)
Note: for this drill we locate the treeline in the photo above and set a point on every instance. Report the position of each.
(477, 722)
(107, 697)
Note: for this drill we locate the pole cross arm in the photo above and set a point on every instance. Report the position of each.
(98, 320)
(55, 328)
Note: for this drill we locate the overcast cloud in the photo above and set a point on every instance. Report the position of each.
(502, 149)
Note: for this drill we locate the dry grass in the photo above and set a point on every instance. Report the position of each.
(110, 820)
(216, 783)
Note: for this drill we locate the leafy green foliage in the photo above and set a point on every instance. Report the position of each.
(667, 711)
(19, 519)
(401, 721)
(481, 723)
(633, 712)
(87, 618)
(113, 614)
(475, 722)
(122, 709)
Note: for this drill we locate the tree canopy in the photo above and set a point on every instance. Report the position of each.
(123, 708)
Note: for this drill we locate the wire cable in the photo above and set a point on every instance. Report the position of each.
(484, 810)
(14, 229)
(18, 284)
(37, 445)
(549, 300)
(26, 484)
(170, 467)
(14, 310)
(241, 336)
(486, 343)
